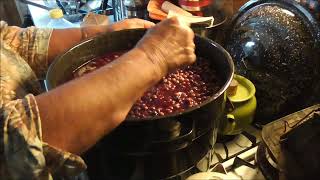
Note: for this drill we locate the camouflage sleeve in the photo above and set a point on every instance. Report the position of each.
(23, 154)
(30, 43)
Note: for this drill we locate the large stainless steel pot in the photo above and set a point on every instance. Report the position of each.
(164, 146)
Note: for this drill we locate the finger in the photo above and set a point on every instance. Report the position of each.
(190, 55)
(141, 23)
(173, 20)
(148, 24)
(192, 58)
(189, 50)
(189, 32)
(178, 21)
(192, 45)
(170, 21)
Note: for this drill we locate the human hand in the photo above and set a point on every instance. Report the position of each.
(131, 24)
(169, 45)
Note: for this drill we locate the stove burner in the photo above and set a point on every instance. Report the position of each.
(240, 162)
(265, 163)
(228, 148)
(225, 140)
(271, 160)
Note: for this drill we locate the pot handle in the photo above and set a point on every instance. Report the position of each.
(173, 134)
(230, 125)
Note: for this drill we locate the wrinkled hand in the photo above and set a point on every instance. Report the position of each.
(169, 45)
(131, 24)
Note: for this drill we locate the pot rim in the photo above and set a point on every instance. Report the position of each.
(222, 90)
(207, 101)
(215, 25)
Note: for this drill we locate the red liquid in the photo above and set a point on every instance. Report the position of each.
(95, 64)
(178, 91)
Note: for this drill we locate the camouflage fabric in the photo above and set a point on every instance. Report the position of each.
(23, 154)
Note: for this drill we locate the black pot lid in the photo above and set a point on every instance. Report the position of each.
(275, 44)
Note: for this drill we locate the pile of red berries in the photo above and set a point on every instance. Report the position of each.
(186, 87)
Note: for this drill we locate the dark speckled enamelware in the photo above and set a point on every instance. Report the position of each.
(275, 44)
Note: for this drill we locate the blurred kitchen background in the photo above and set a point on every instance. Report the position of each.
(20, 13)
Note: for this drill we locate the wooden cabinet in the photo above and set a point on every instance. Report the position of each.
(10, 12)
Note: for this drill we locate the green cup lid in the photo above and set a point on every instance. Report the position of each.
(243, 91)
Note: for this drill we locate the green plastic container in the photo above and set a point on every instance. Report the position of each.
(242, 108)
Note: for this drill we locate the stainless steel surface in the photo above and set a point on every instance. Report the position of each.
(35, 4)
(142, 14)
(136, 8)
(90, 5)
(119, 10)
(135, 3)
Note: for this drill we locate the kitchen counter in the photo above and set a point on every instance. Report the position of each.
(41, 16)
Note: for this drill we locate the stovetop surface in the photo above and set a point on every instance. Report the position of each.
(238, 156)
(272, 132)
(250, 155)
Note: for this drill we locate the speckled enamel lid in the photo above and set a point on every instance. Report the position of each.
(275, 44)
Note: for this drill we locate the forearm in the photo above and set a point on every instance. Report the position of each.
(63, 39)
(93, 105)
